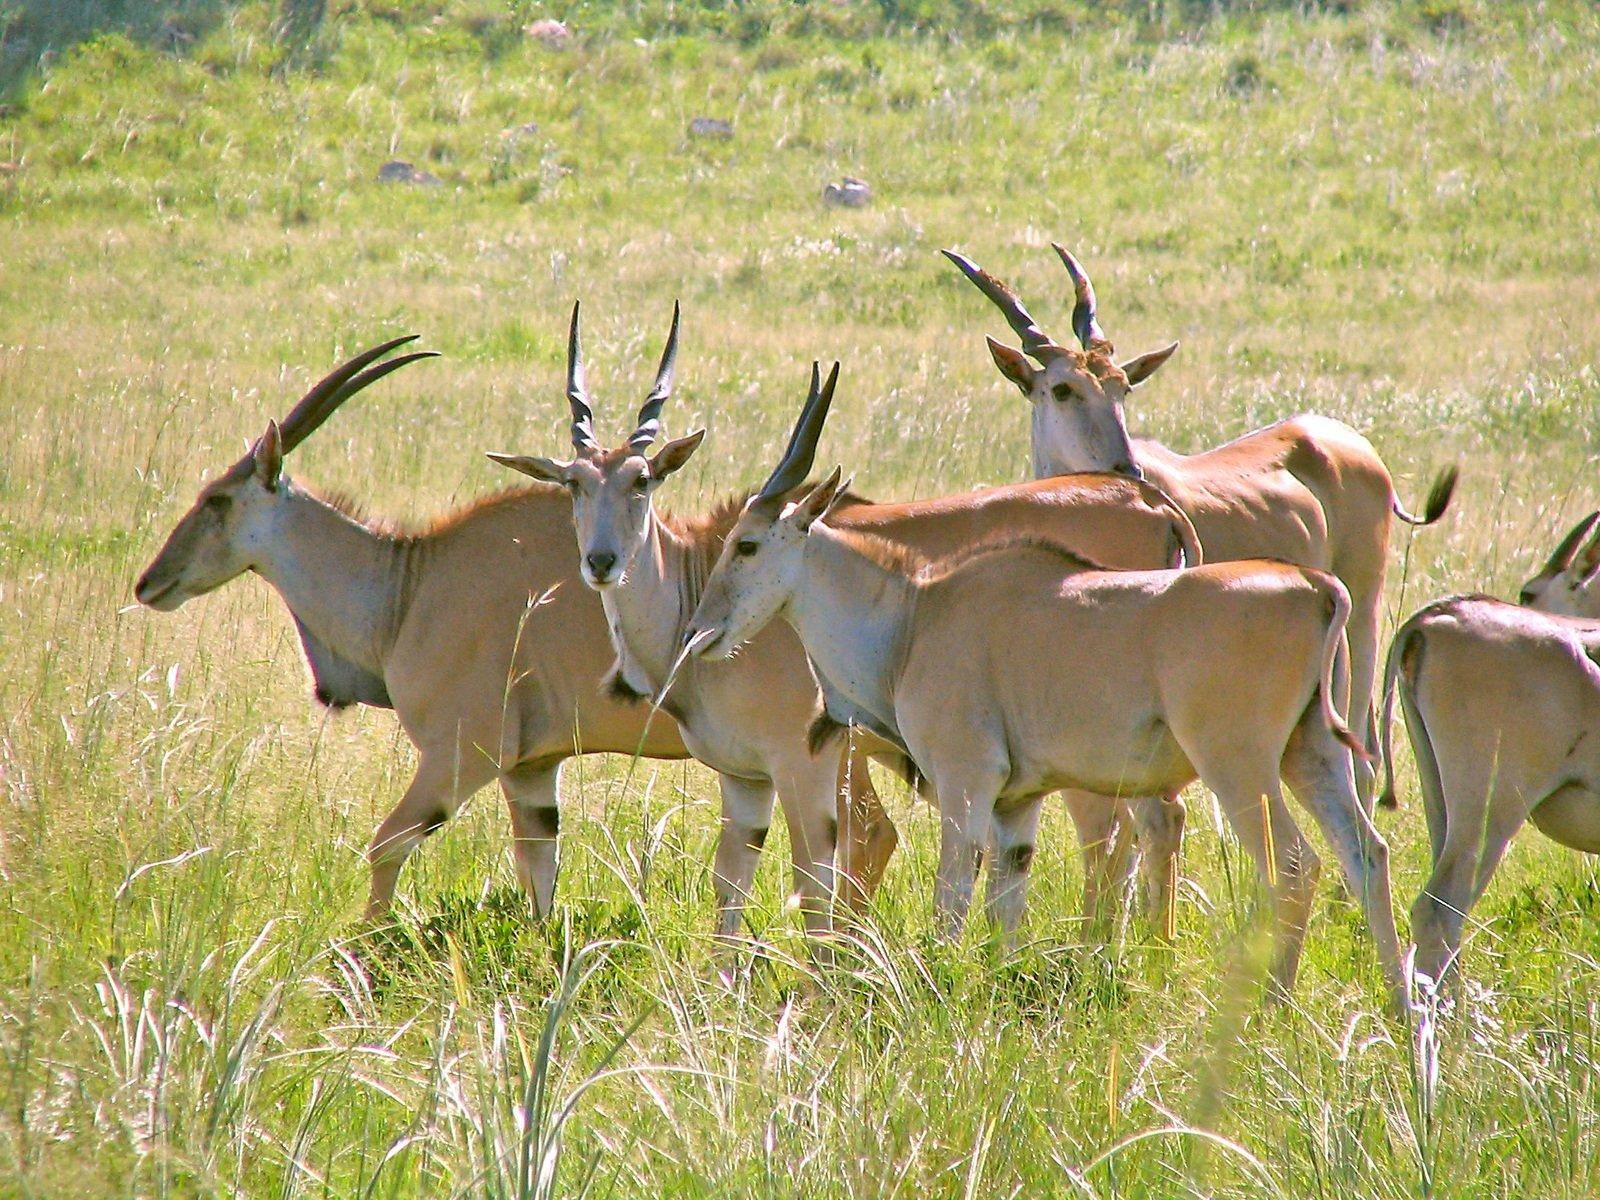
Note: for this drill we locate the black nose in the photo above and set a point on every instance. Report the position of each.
(600, 564)
(140, 588)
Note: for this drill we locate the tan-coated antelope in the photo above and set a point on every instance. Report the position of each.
(476, 630)
(1308, 490)
(1016, 668)
(1502, 705)
(748, 717)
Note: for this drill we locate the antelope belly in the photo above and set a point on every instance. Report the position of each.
(1138, 757)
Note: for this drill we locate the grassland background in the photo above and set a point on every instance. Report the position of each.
(1385, 212)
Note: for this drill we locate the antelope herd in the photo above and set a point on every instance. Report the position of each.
(1130, 621)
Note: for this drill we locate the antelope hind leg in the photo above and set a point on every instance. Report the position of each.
(867, 837)
(1105, 840)
(436, 793)
(1320, 771)
(1160, 821)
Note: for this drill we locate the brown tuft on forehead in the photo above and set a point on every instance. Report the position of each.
(608, 459)
(1097, 362)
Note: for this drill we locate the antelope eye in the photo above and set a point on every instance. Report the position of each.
(746, 548)
(219, 504)
(1063, 391)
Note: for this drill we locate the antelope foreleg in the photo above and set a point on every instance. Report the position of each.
(531, 801)
(1016, 829)
(966, 806)
(746, 815)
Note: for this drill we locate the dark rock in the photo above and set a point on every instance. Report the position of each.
(398, 171)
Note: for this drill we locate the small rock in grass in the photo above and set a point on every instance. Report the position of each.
(550, 33)
(710, 127)
(850, 193)
(174, 35)
(398, 171)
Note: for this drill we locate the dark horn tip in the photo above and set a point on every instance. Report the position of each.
(964, 264)
(396, 342)
(1068, 260)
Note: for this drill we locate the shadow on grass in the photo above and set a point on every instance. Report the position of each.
(34, 32)
(495, 943)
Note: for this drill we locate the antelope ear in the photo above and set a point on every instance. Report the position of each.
(674, 454)
(1139, 369)
(547, 470)
(1561, 558)
(1588, 561)
(818, 502)
(1013, 364)
(267, 456)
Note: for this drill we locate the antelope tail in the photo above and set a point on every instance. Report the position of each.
(1439, 496)
(1188, 539)
(1190, 553)
(1334, 644)
(1388, 798)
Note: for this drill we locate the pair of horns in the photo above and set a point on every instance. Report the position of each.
(344, 381)
(801, 451)
(648, 427)
(1085, 309)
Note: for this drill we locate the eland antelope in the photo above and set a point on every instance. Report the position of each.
(747, 718)
(475, 630)
(1308, 490)
(1014, 668)
(1501, 703)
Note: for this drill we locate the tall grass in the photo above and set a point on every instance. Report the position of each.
(1379, 211)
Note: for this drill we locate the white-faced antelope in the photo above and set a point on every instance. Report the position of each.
(748, 717)
(1307, 490)
(1013, 669)
(475, 630)
(1502, 705)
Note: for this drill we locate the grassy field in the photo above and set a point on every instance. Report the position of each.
(1383, 212)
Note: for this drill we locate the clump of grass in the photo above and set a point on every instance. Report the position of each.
(1246, 76)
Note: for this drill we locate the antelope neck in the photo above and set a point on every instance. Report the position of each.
(346, 582)
(853, 615)
(649, 608)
